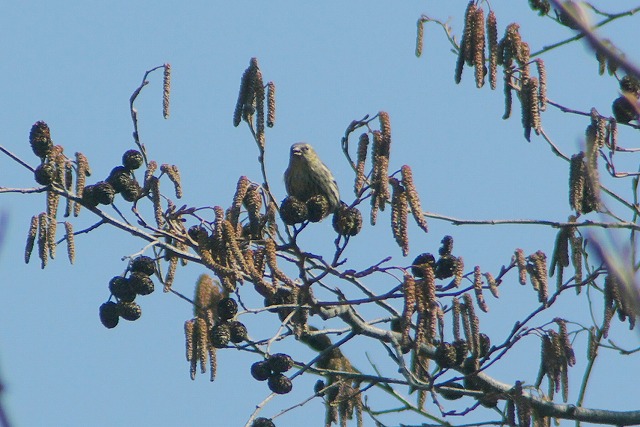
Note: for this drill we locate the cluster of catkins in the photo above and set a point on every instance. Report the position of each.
(125, 290)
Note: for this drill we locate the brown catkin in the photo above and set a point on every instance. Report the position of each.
(166, 90)
(613, 134)
(148, 174)
(82, 171)
(71, 246)
(419, 37)
(592, 349)
(204, 297)
(171, 273)
(409, 290)
(271, 104)
(537, 268)
(375, 176)
(542, 88)
(363, 145)
(576, 258)
(31, 238)
(521, 263)
(477, 288)
(51, 236)
(530, 108)
(43, 239)
(156, 198)
(609, 305)
(556, 359)
(68, 184)
(493, 285)
(399, 213)
(508, 95)
(576, 181)
(474, 324)
(523, 407)
(189, 327)
(213, 362)
(53, 199)
(260, 97)
(492, 38)
(456, 313)
(246, 94)
(413, 197)
(600, 123)
(174, 175)
(567, 348)
(467, 37)
(511, 44)
(272, 225)
(534, 104)
(384, 150)
(478, 46)
(253, 202)
(466, 326)
(458, 274)
(238, 198)
(560, 257)
(270, 252)
(202, 336)
(231, 241)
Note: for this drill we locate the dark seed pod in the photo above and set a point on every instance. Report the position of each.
(40, 139)
(280, 362)
(132, 191)
(447, 246)
(227, 308)
(446, 355)
(141, 283)
(45, 174)
(451, 394)
(103, 192)
(262, 422)
(317, 207)
(119, 178)
(132, 159)
(623, 110)
(109, 314)
(282, 296)
(280, 384)
(318, 387)
(89, 196)
(485, 345)
(198, 233)
(421, 262)
(446, 266)
(293, 211)
(129, 310)
(261, 371)
(631, 85)
(347, 221)
(121, 289)
(144, 265)
(238, 332)
(220, 335)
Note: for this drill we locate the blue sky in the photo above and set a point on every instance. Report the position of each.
(75, 64)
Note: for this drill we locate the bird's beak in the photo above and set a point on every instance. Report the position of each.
(296, 151)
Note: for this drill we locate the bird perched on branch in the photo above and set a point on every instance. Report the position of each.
(307, 177)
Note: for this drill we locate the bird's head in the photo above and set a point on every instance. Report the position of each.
(301, 150)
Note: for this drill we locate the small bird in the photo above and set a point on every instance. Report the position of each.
(307, 176)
